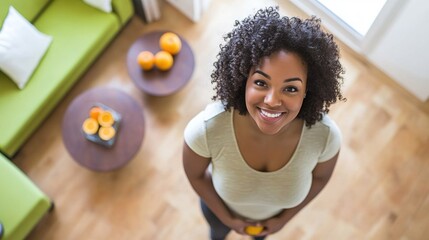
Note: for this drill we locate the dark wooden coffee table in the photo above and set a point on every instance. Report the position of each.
(128, 138)
(156, 82)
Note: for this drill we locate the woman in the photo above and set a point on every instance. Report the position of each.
(266, 147)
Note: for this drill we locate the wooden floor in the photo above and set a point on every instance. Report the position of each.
(379, 189)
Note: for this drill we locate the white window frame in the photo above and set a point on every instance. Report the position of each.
(344, 32)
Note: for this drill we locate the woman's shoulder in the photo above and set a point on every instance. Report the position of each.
(328, 121)
(333, 138)
(211, 113)
(208, 121)
(328, 125)
(213, 110)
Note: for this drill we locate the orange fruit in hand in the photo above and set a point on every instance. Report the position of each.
(163, 60)
(106, 133)
(90, 126)
(146, 60)
(253, 230)
(105, 119)
(170, 42)
(94, 112)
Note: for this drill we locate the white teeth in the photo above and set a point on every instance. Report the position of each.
(270, 115)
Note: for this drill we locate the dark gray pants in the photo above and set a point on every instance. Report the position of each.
(218, 230)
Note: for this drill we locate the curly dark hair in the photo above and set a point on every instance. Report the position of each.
(265, 33)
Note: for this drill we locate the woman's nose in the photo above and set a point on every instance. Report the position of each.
(272, 99)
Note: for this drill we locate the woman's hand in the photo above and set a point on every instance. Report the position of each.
(273, 225)
(237, 224)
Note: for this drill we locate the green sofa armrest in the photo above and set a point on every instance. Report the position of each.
(29, 9)
(22, 203)
(124, 9)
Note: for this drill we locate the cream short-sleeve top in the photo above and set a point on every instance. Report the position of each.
(250, 193)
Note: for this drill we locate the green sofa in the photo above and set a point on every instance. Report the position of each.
(80, 33)
(22, 203)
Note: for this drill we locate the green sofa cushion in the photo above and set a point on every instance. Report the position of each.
(80, 32)
(22, 203)
(29, 9)
(124, 9)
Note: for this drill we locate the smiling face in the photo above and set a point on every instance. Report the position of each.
(275, 91)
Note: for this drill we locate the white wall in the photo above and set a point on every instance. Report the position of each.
(193, 9)
(402, 51)
(397, 42)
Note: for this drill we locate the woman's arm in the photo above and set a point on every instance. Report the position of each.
(321, 175)
(196, 169)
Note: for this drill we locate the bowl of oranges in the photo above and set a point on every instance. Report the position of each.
(160, 62)
(169, 46)
(102, 124)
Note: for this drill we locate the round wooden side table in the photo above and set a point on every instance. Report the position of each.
(128, 138)
(156, 82)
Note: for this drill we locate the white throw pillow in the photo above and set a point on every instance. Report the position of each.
(22, 47)
(103, 5)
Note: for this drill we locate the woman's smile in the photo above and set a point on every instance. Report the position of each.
(270, 116)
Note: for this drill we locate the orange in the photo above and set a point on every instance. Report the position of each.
(94, 112)
(170, 42)
(106, 133)
(90, 126)
(105, 119)
(253, 230)
(146, 60)
(163, 60)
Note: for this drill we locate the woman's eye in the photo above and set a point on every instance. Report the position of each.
(291, 89)
(260, 83)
